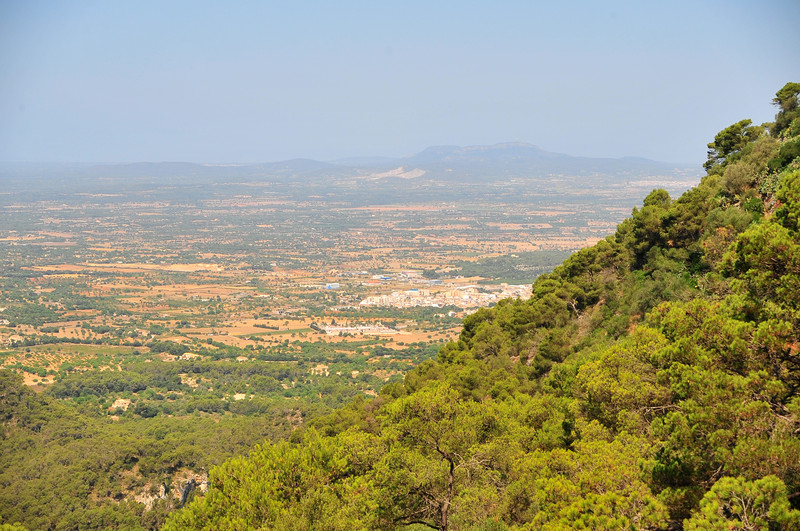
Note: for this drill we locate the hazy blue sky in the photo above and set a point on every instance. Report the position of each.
(239, 81)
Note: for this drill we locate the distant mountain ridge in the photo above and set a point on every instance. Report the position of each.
(441, 172)
(499, 159)
(517, 159)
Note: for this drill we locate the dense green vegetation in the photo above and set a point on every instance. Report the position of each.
(651, 382)
(513, 269)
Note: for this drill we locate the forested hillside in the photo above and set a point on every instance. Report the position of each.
(651, 382)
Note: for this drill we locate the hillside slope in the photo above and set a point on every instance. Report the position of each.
(651, 382)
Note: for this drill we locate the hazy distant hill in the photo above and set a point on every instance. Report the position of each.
(518, 160)
(435, 168)
(496, 160)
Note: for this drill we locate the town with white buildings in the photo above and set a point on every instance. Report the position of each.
(469, 296)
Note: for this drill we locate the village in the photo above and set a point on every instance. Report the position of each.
(468, 296)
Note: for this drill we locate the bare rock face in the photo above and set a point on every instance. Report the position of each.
(185, 482)
(187, 491)
(148, 498)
